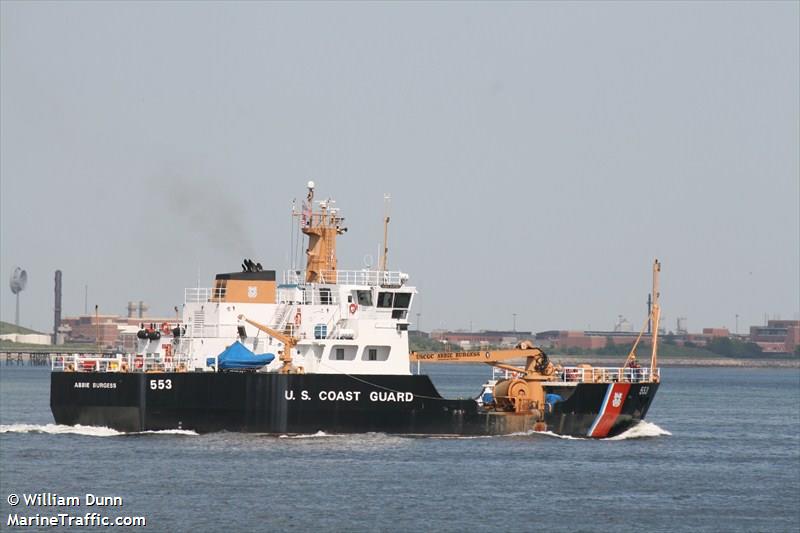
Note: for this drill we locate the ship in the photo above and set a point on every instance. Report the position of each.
(325, 349)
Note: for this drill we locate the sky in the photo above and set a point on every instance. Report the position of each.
(539, 156)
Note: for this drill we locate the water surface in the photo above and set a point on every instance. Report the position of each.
(731, 462)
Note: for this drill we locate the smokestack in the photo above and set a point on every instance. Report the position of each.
(57, 308)
(131, 309)
(142, 309)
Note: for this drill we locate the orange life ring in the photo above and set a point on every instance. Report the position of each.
(137, 362)
(297, 318)
(123, 367)
(353, 308)
(165, 329)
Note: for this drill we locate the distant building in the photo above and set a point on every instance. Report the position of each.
(587, 340)
(26, 338)
(470, 339)
(716, 332)
(108, 331)
(777, 335)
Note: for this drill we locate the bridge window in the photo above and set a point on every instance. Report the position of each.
(402, 299)
(375, 353)
(343, 353)
(364, 298)
(385, 299)
(325, 296)
(399, 314)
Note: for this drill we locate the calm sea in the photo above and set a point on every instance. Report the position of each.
(721, 452)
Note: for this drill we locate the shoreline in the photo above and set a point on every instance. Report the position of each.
(24, 358)
(666, 362)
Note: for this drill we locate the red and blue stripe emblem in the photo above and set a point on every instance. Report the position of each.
(610, 409)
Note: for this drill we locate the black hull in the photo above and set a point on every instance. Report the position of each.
(281, 404)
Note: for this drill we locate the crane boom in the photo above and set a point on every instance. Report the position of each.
(474, 357)
(537, 365)
(288, 341)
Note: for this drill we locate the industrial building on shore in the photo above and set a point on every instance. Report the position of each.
(111, 331)
(777, 336)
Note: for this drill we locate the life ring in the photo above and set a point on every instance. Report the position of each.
(123, 367)
(353, 308)
(165, 329)
(70, 367)
(138, 362)
(297, 318)
(181, 367)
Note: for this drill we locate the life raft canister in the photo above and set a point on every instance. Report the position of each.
(165, 329)
(353, 308)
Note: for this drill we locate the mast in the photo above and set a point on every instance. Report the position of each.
(656, 314)
(322, 227)
(385, 254)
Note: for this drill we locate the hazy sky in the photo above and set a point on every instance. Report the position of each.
(539, 155)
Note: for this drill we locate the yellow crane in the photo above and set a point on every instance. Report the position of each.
(289, 343)
(524, 392)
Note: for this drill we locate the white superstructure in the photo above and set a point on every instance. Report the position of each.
(357, 324)
(343, 321)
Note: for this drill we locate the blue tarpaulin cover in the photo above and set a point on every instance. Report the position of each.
(553, 399)
(236, 356)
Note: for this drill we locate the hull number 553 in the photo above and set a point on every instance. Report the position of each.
(160, 384)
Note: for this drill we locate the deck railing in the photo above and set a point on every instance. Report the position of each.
(383, 278)
(608, 374)
(151, 362)
(578, 374)
(193, 295)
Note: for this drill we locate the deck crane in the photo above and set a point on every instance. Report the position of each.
(289, 343)
(522, 393)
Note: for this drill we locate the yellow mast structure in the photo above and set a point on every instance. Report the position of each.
(322, 227)
(655, 316)
(656, 312)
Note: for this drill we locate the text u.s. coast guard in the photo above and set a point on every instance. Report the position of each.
(351, 396)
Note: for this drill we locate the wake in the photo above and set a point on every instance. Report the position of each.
(642, 430)
(89, 431)
(317, 435)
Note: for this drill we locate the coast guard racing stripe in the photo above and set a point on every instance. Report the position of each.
(610, 410)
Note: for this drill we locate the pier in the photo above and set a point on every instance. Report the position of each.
(26, 358)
